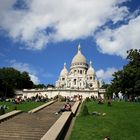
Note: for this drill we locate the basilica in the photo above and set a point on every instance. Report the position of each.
(79, 80)
(81, 75)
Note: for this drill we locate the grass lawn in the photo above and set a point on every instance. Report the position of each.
(24, 106)
(122, 122)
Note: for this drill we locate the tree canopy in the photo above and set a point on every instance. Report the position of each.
(40, 86)
(127, 80)
(11, 79)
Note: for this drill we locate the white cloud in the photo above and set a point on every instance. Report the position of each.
(34, 78)
(40, 22)
(25, 67)
(6, 5)
(68, 19)
(118, 41)
(106, 76)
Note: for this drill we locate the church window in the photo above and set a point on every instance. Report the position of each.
(74, 81)
(90, 78)
(80, 71)
(63, 79)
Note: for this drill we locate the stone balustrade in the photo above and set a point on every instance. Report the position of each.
(9, 115)
(41, 107)
(75, 107)
(61, 125)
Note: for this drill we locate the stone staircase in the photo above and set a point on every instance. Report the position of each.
(28, 126)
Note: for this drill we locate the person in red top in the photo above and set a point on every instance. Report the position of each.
(66, 107)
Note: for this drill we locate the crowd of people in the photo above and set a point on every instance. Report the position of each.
(67, 106)
(37, 98)
(124, 97)
(73, 98)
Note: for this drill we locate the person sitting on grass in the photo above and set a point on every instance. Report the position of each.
(95, 113)
(109, 102)
(66, 107)
(106, 138)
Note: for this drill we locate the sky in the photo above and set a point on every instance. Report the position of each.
(40, 36)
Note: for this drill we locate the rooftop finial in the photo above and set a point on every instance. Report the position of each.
(64, 64)
(90, 63)
(79, 48)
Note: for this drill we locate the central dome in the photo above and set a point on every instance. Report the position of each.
(79, 57)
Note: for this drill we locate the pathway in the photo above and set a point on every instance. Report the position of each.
(28, 126)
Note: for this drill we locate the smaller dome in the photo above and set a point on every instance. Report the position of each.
(90, 71)
(64, 71)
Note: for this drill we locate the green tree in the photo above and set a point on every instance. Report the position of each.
(8, 78)
(127, 80)
(40, 86)
(11, 79)
(25, 81)
(50, 85)
(104, 85)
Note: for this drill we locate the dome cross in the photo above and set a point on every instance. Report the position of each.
(79, 48)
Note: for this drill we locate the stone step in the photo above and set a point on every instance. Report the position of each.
(8, 137)
(28, 126)
(24, 128)
(22, 134)
(18, 130)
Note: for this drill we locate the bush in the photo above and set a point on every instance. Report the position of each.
(87, 99)
(84, 111)
(55, 97)
(2, 111)
(60, 98)
(15, 107)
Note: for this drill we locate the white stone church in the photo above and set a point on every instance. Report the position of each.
(80, 76)
(79, 80)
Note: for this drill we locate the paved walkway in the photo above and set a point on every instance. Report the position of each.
(28, 126)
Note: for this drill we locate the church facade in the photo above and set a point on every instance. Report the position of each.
(79, 80)
(81, 75)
